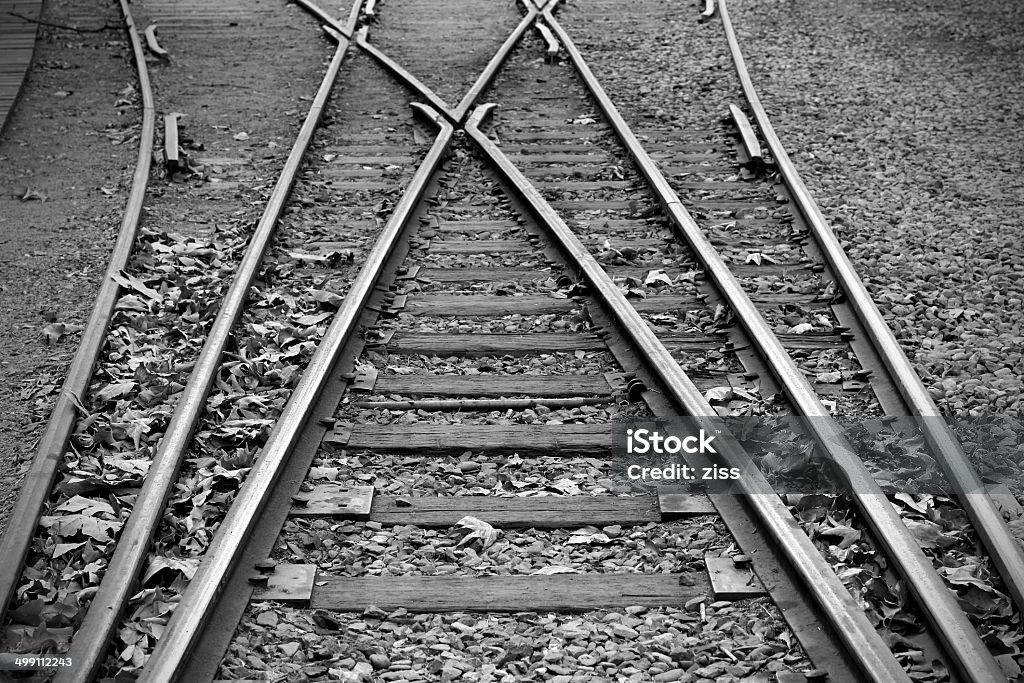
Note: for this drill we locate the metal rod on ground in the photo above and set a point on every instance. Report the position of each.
(36, 488)
(844, 612)
(153, 44)
(965, 648)
(172, 157)
(229, 542)
(750, 143)
(551, 50)
(119, 583)
(988, 522)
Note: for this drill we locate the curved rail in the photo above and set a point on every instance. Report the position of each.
(119, 583)
(185, 626)
(972, 658)
(38, 484)
(458, 114)
(487, 75)
(1003, 548)
(164, 666)
(870, 651)
(404, 75)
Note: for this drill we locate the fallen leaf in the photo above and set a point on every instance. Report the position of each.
(63, 548)
(186, 566)
(657, 277)
(114, 391)
(555, 569)
(964, 576)
(802, 328)
(86, 506)
(848, 535)
(131, 282)
(928, 534)
(474, 530)
(69, 525)
(718, 394)
(582, 537)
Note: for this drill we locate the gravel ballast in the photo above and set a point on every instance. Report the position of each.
(903, 122)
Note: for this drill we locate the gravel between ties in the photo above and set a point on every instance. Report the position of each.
(903, 123)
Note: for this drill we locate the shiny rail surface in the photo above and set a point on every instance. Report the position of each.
(1003, 548)
(961, 640)
(873, 655)
(38, 484)
(120, 582)
(179, 640)
(186, 625)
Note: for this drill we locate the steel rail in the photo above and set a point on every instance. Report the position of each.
(229, 542)
(487, 75)
(165, 664)
(326, 19)
(120, 580)
(970, 491)
(404, 75)
(843, 611)
(966, 649)
(458, 114)
(35, 490)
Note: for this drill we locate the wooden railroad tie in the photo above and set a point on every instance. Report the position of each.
(725, 579)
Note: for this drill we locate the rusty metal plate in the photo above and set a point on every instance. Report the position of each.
(291, 583)
(675, 502)
(334, 500)
(730, 581)
(339, 436)
(366, 378)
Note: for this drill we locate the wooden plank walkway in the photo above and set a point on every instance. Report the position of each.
(17, 43)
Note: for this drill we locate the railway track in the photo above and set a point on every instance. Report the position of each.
(503, 287)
